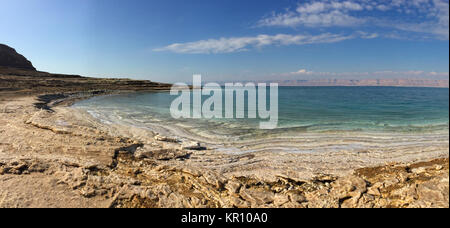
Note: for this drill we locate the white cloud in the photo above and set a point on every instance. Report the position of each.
(323, 14)
(436, 24)
(425, 18)
(383, 7)
(302, 71)
(238, 44)
(315, 7)
(366, 35)
(429, 16)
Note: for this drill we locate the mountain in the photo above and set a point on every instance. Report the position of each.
(11, 59)
(439, 83)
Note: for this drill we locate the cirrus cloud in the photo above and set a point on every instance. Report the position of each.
(239, 44)
(418, 16)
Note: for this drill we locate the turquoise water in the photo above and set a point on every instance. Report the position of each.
(301, 109)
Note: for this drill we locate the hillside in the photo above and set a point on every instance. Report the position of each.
(10, 58)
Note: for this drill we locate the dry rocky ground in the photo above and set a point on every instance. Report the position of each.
(50, 157)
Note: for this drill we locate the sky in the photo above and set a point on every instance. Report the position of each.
(169, 40)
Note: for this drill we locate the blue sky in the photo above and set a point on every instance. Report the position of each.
(169, 40)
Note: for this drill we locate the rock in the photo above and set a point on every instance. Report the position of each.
(192, 146)
(351, 184)
(404, 195)
(435, 192)
(166, 139)
(87, 192)
(419, 170)
(214, 179)
(375, 189)
(10, 58)
(161, 154)
(295, 197)
(233, 186)
(280, 200)
(349, 190)
(325, 178)
(239, 203)
(3, 171)
(38, 167)
(257, 198)
(389, 182)
(20, 168)
(141, 154)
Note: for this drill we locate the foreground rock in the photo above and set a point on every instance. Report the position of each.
(144, 183)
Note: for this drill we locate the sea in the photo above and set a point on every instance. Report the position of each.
(301, 110)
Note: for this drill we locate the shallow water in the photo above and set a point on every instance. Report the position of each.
(302, 110)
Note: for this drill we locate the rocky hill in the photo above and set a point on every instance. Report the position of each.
(10, 58)
(18, 76)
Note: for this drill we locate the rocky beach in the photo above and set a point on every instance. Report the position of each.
(53, 155)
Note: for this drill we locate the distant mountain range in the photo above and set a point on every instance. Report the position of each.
(10, 58)
(365, 82)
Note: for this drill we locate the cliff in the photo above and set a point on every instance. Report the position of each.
(10, 58)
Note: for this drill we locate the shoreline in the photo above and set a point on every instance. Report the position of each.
(85, 163)
(300, 157)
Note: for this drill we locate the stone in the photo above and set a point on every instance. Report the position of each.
(295, 197)
(375, 189)
(3, 171)
(192, 146)
(257, 197)
(419, 170)
(87, 192)
(389, 182)
(239, 203)
(280, 200)
(166, 139)
(325, 178)
(431, 192)
(233, 186)
(348, 190)
(161, 154)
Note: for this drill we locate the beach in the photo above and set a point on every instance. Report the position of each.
(55, 155)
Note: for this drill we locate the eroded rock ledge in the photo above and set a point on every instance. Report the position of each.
(144, 183)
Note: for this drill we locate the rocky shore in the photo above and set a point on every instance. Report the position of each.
(54, 156)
